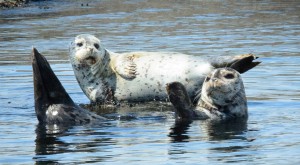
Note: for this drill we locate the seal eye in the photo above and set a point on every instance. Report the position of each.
(229, 76)
(207, 79)
(96, 46)
(79, 44)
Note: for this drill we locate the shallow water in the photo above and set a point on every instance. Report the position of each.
(268, 28)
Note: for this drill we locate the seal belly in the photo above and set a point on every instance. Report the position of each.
(105, 76)
(156, 70)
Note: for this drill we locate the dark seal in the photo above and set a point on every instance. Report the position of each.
(53, 105)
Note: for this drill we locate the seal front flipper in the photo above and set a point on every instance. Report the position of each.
(53, 105)
(184, 109)
(125, 66)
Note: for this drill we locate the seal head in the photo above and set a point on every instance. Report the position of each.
(221, 87)
(86, 50)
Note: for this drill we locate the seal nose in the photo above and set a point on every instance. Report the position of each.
(90, 49)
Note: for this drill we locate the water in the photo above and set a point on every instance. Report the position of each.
(268, 28)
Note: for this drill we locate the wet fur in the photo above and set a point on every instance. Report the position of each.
(144, 74)
(53, 105)
(221, 99)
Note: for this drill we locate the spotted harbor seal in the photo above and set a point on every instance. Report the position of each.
(53, 105)
(105, 76)
(222, 97)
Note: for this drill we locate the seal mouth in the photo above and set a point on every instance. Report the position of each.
(91, 60)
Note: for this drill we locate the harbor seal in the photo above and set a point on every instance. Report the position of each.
(105, 76)
(53, 105)
(221, 98)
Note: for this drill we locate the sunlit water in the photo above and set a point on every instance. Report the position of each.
(268, 28)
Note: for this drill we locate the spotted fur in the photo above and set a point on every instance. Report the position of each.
(137, 76)
(222, 97)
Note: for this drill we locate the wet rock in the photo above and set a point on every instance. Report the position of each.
(12, 3)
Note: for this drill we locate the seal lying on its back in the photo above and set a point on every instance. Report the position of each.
(222, 98)
(53, 105)
(141, 76)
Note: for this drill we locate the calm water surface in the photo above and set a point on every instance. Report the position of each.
(267, 28)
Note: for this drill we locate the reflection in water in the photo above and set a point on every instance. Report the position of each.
(215, 141)
(211, 140)
(47, 142)
(233, 131)
(54, 139)
(214, 131)
(224, 130)
(178, 132)
(47, 139)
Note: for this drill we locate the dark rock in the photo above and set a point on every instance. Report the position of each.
(12, 3)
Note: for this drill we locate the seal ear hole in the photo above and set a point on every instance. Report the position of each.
(229, 76)
(79, 44)
(96, 46)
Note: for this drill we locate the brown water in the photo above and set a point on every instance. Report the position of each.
(267, 28)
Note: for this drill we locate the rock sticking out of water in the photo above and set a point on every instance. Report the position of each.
(12, 3)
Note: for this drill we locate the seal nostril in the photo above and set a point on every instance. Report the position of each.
(79, 44)
(207, 79)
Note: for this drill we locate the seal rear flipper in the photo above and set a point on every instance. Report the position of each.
(47, 88)
(240, 63)
(180, 100)
(245, 63)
